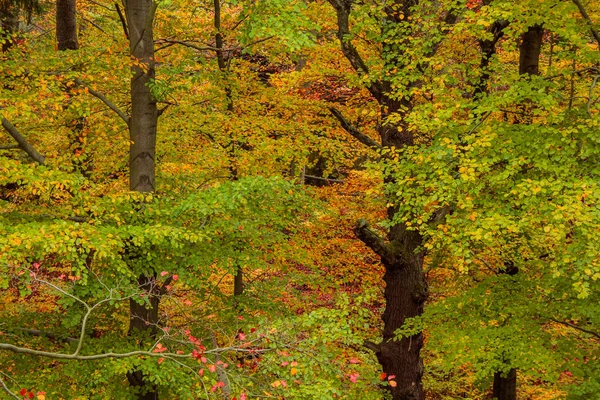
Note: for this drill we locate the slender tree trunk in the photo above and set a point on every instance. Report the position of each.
(505, 386)
(66, 25)
(142, 132)
(66, 39)
(144, 112)
(238, 282)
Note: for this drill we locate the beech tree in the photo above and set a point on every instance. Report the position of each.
(158, 241)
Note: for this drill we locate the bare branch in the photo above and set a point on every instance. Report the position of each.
(588, 21)
(324, 179)
(9, 147)
(187, 43)
(23, 143)
(123, 21)
(7, 390)
(361, 137)
(577, 327)
(257, 42)
(103, 98)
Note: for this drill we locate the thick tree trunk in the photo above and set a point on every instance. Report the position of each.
(405, 293)
(505, 387)
(142, 133)
(66, 25)
(406, 288)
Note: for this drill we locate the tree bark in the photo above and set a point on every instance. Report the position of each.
(143, 323)
(66, 25)
(144, 112)
(505, 387)
(529, 51)
(142, 132)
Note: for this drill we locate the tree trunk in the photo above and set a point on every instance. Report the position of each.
(142, 132)
(66, 25)
(406, 287)
(529, 51)
(405, 294)
(144, 113)
(9, 23)
(66, 39)
(505, 387)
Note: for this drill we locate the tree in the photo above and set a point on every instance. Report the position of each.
(402, 254)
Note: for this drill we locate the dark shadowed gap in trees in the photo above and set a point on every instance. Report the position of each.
(505, 384)
(401, 253)
(143, 318)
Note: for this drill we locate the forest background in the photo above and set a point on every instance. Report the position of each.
(299, 199)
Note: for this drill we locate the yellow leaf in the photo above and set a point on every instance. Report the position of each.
(294, 371)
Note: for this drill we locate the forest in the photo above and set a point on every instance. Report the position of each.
(300, 199)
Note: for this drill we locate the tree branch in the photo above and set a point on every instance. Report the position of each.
(7, 390)
(102, 98)
(9, 147)
(375, 243)
(49, 335)
(123, 21)
(361, 137)
(374, 347)
(23, 143)
(187, 43)
(588, 20)
(342, 10)
(589, 332)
